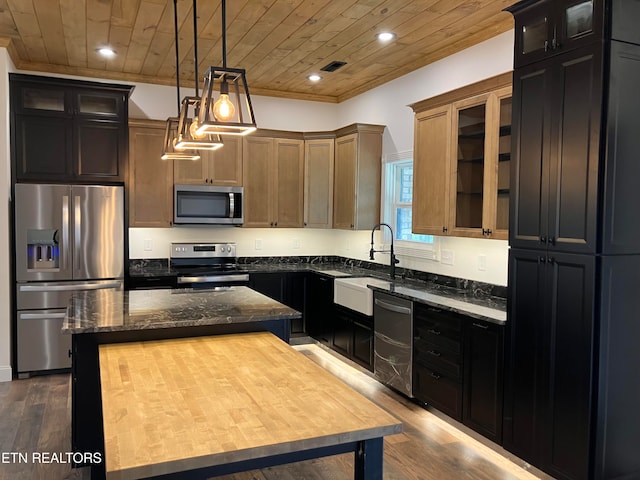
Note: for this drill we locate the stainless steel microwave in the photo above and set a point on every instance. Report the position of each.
(207, 204)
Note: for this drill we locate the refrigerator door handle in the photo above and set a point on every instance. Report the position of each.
(41, 316)
(65, 230)
(69, 287)
(77, 230)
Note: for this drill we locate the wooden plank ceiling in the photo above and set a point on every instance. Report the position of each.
(278, 42)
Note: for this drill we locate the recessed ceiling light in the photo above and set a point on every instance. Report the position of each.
(385, 36)
(314, 77)
(106, 52)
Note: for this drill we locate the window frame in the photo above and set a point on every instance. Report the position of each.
(390, 200)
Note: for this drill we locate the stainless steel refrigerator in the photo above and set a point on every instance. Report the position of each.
(68, 238)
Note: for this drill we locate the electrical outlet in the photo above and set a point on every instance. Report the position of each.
(296, 243)
(147, 245)
(258, 244)
(446, 257)
(482, 263)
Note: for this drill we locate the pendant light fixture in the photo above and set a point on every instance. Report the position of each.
(189, 135)
(231, 113)
(171, 130)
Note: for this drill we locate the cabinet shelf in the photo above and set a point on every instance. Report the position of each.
(472, 136)
(505, 130)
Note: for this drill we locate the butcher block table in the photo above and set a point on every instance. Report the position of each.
(206, 406)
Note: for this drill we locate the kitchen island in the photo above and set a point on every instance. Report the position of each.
(105, 317)
(239, 402)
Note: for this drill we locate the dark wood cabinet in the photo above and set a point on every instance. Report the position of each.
(556, 128)
(353, 335)
(319, 308)
(483, 378)
(550, 27)
(438, 359)
(575, 243)
(551, 346)
(68, 131)
(285, 287)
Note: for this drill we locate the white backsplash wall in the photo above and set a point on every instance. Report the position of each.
(482, 260)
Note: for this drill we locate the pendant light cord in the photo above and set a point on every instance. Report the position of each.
(195, 44)
(175, 29)
(224, 34)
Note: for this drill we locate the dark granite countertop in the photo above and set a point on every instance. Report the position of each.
(474, 299)
(110, 311)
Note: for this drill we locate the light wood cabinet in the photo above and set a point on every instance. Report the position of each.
(318, 182)
(480, 160)
(150, 178)
(431, 171)
(462, 145)
(357, 174)
(215, 167)
(273, 182)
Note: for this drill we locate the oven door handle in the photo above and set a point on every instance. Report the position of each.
(215, 278)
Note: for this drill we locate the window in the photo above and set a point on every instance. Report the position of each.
(397, 199)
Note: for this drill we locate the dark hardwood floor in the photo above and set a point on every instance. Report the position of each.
(35, 418)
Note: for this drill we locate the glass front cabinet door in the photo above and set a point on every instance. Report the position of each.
(480, 165)
(548, 28)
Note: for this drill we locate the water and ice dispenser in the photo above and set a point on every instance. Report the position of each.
(43, 249)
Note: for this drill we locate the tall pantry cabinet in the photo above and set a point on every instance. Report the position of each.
(573, 328)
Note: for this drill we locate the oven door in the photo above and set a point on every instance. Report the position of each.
(213, 280)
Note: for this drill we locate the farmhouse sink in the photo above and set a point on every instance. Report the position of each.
(353, 293)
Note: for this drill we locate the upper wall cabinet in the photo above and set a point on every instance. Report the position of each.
(555, 27)
(462, 161)
(273, 181)
(150, 181)
(215, 167)
(358, 165)
(318, 182)
(68, 131)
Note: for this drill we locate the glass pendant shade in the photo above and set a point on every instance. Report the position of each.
(225, 108)
(170, 135)
(189, 135)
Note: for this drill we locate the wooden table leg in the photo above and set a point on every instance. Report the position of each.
(368, 462)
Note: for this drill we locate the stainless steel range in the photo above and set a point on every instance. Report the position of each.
(206, 265)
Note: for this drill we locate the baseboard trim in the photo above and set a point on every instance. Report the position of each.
(6, 374)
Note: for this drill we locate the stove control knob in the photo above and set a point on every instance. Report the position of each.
(222, 249)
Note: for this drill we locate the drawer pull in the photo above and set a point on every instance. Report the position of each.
(435, 332)
(437, 377)
(434, 353)
(479, 325)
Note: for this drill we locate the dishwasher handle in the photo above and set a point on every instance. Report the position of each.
(393, 308)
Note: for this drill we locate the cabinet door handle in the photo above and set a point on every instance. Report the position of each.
(543, 239)
(479, 325)
(552, 260)
(435, 332)
(433, 375)
(434, 353)
(552, 240)
(542, 259)
(444, 229)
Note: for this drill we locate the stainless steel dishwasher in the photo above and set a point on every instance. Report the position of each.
(393, 341)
